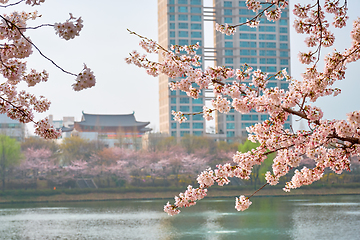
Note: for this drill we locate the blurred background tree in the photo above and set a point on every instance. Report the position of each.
(10, 156)
(258, 170)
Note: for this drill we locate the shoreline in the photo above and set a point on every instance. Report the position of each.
(213, 193)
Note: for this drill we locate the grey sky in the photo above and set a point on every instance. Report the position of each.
(104, 43)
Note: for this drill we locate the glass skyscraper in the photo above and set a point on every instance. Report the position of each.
(180, 22)
(266, 47)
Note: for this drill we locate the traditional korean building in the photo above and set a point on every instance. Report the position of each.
(112, 129)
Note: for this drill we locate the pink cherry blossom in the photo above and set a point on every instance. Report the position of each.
(328, 143)
(70, 28)
(242, 203)
(85, 79)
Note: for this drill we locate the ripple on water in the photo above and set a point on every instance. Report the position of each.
(223, 232)
(297, 200)
(225, 214)
(352, 213)
(330, 204)
(218, 200)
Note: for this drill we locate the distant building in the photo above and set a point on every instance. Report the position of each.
(66, 125)
(180, 23)
(266, 47)
(12, 128)
(112, 129)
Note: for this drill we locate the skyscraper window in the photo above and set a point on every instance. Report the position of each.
(182, 17)
(195, 18)
(195, 10)
(183, 25)
(195, 2)
(196, 34)
(227, 4)
(196, 26)
(183, 34)
(182, 9)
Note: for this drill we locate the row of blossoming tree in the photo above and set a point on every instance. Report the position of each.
(76, 158)
(329, 143)
(45, 164)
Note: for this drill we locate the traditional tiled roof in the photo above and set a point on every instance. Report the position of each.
(111, 120)
(67, 129)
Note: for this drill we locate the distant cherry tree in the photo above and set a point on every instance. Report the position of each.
(37, 163)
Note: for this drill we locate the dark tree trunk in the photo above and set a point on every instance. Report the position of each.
(3, 175)
(35, 178)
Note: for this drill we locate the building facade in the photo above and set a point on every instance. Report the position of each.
(266, 47)
(180, 22)
(12, 128)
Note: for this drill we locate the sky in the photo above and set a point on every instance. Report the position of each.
(103, 45)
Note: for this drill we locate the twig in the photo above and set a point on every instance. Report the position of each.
(42, 25)
(258, 190)
(12, 4)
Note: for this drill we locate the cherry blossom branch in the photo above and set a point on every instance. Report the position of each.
(42, 25)
(12, 4)
(39, 51)
(321, 32)
(147, 39)
(16, 46)
(257, 190)
(254, 18)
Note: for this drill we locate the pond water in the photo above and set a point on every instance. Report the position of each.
(326, 217)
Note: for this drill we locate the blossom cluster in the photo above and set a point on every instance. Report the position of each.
(171, 209)
(252, 23)
(189, 49)
(34, 2)
(225, 29)
(330, 143)
(34, 77)
(221, 104)
(253, 5)
(186, 199)
(45, 130)
(207, 113)
(70, 28)
(242, 203)
(179, 116)
(273, 15)
(85, 79)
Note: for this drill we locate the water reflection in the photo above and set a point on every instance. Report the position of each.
(334, 217)
(325, 218)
